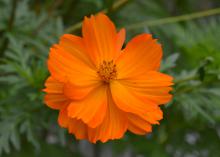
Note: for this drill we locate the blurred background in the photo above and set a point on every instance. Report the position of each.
(189, 31)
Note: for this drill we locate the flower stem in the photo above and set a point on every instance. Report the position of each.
(174, 19)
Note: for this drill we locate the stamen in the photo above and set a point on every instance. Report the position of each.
(107, 71)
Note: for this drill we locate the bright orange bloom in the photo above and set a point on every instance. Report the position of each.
(102, 90)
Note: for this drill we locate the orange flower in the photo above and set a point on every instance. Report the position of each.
(102, 90)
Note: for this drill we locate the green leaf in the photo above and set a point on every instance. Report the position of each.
(169, 62)
(15, 139)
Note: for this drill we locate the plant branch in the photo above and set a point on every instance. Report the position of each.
(115, 6)
(186, 79)
(174, 19)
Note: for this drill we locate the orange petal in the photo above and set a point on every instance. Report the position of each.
(101, 39)
(53, 86)
(138, 125)
(74, 45)
(63, 119)
(120, 39)
(64, 66)
(113, 126)
(56, 101)
(76, 127)
(141, 54)
(92, 109)
(153, 86)
(129, 102)
(78, 92)
(55, 98)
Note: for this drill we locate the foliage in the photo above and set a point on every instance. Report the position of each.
(191, 55)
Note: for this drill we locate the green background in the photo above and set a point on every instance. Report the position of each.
(191, 124)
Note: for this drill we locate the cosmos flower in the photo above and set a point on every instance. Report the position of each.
(102, 90)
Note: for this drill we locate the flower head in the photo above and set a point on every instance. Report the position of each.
(102, 90)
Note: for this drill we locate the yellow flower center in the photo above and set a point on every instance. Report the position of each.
(107, 71)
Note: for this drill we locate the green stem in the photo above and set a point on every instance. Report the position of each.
(174, 19)
(115, 6)
(186, 79)
(186, 90)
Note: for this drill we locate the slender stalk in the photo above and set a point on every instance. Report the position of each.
(186, 79)
(114, 7)
(174, 19)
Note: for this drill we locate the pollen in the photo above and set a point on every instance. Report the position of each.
(107, 71)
